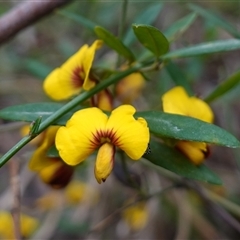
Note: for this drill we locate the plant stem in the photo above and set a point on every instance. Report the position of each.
(122, 24)
(69, 106)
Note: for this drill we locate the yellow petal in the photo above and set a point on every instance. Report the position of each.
(58, 174)
(104, 162)
(104, 101)
(87, 64)
(59, 85)
(195, 151)
(76, 141)
(132, 135)
(177, 101)
(136, 216)
(129, 88)
(28, 225)
(200, 110)
(68, 80)
(75, 192)
(39, 159)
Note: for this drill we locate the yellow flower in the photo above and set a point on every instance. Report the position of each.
(136, 216)
(69, 79)
(130, 87)
(52, 170)
(28, 225)
(79, 192)
(90, 129)
(177, 101)
(103, 100)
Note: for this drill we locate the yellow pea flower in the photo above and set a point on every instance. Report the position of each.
(130, 87)
(177, 101)
(90, 129)
(136, 216)
(73, 76)
(52, 170)
(28, 225)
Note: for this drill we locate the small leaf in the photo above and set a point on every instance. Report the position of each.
(204, 48)
(186, 128)
(151, 38)
(224, 87)
(31, 111)
(35, 126)
(79, 19)
(148, 16)
(180, 26)
(215, 19)
(114, 43)
(172, 160)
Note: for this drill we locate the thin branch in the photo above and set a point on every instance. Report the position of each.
(110, 219)
(16, 198)
(25, 14)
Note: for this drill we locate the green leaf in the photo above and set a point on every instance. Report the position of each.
(215, 19)
(37, 68)
(79, 19)
(186, 128)
(204, 48)
(151, 38)
(172, 160)
(114, 43)
(148, 16)
(180, 26)
(178, 76)
(162, 124)
(224, 87)
(32, 111)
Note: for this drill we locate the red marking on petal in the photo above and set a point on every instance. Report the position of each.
(77, 79)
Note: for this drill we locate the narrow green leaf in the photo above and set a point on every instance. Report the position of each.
(187, 128)
(204, 48)
(180, 26)
(178, 76)
(151, 38)
(148, 16)
(79, 19)
(32, 111)
(172, 160)
(37, 68)
(162, 124)
(224, 87)
(215, 19)
(114, 43)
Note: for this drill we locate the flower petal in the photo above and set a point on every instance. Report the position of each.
(130, 87)
(87, 63)
(200, 110)
(59, 85)
(131, 135)
(105, 100)
(104, 162)
(195, 151)
(68, 80)
(57, 175)
(178, 102)
(77, 140)
(40, 159)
